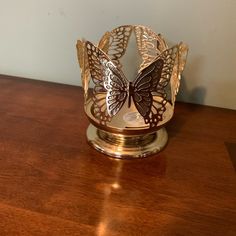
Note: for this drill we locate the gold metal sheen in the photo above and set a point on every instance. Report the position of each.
(126, 146)
(128, 117)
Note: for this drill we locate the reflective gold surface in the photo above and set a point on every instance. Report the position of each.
(126, 146)
(127, 121)
(127, 115)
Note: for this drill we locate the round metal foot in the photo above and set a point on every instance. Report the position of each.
(126, 146)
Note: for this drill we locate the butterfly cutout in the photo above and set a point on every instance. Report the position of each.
(177, 70)
(113, 43)
(112, 89)
(84, 66)
(149, 44)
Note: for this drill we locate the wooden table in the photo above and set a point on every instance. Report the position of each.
(53, 183)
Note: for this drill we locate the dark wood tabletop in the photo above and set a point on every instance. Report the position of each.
(53, 183)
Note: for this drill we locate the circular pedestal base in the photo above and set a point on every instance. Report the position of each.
(126, 146)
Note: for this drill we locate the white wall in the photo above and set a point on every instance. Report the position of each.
(37, 39)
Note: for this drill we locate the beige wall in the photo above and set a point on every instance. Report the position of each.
(37, 39)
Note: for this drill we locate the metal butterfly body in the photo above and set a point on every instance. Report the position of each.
(112, 89)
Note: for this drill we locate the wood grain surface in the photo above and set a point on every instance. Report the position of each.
(53, 183)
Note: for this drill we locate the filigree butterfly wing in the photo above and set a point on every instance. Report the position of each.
(143, 86)
(150, 44)
(80, 53)
(160, 97)
(110, 90)
(183, 53)
(169, 56)
(116, 85)
(118, 41)
(95, 55)
(83, 62)
(177, 70)
(151, 100)
(83, 58)
(104, 42)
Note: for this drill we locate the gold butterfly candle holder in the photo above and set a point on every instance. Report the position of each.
(128, 115)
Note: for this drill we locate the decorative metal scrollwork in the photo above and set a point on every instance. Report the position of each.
(160, 69)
